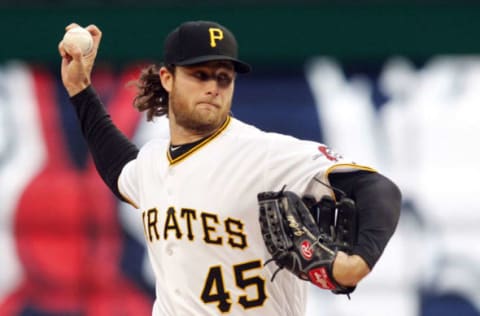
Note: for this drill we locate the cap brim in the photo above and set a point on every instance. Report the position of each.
(239, 65)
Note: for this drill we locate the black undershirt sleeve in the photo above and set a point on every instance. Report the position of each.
(378, 202)
(110, 149)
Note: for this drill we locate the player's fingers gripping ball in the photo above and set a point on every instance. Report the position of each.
(80, 37)
(293, 238)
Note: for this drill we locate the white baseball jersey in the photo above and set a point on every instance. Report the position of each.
(200, 215)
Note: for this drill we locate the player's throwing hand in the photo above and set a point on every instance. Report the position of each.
(77, 68)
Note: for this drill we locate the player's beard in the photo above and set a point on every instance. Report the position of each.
(200, 122)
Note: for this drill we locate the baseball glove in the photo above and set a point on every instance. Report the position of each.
(304, 236)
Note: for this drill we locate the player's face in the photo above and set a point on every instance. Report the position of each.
(201, 96)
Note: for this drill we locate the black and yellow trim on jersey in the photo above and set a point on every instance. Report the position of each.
(348, 165)
(199, 145)
(345, 165)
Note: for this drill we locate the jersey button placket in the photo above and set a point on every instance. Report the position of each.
(169, 186)
(171, 174)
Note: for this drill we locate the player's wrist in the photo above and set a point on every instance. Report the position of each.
(78, 87)
(349, 270)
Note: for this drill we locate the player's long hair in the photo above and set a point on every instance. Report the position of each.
(151, 96)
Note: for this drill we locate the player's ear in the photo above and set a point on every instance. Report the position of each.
(166, 78)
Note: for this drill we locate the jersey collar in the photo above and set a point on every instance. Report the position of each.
(199, 145)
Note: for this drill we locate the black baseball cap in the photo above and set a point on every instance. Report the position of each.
(197, 42)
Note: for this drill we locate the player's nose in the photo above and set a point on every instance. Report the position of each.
(212, 87)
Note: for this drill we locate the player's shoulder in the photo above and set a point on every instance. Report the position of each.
(242, 130)
(153, 146)
(237, 127)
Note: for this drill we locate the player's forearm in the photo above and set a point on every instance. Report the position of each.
(110, 149)
(378, 201)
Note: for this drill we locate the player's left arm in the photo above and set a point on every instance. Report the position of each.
(378, 202)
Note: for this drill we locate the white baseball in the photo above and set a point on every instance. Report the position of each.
(80, 37)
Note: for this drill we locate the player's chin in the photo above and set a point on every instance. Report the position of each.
(210, 107)
(205, 119)
(209, 113)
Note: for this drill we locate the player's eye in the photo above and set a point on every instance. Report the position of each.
(224, 80)
(201, 75)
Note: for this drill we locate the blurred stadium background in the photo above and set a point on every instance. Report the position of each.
(394, 84)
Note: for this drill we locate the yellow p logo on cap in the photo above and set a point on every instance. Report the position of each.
(215, 34)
